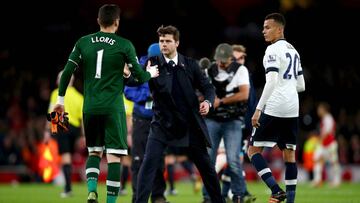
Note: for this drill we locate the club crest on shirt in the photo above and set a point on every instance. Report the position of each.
(271, 58)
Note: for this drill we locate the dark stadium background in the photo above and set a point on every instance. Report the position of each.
(37, 36)
(40, 35)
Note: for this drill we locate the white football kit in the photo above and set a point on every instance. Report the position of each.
(284, 79)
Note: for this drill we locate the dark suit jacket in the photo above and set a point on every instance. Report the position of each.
(169, 125)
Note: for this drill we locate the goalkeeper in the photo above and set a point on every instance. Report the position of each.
(66, 140)
(102, 56)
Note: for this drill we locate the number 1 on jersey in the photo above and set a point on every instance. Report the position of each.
(99, 63)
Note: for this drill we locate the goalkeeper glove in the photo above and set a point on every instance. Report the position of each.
(58, 121)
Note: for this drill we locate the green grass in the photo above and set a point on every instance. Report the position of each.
(46, 193)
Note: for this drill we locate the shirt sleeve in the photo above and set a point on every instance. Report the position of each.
(242, 75)
(70, 67)
(271, 64)
(271, 80)
(134, 66)
(137, 94)
(271, 61)
(53, 99)
(300, 81)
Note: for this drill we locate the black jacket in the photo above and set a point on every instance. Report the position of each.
(169, 125)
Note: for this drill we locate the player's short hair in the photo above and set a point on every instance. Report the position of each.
(239, 48)
(108, 13)
(277, 17)
(169, 30)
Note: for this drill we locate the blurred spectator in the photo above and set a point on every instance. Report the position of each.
(10, 154)
(327, 149)
(308, 153)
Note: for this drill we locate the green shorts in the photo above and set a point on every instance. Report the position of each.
(106, 131)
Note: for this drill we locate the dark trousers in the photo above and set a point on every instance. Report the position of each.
(196, 152)
(141, 128)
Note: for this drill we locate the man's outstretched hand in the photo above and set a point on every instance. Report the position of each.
(153, 70)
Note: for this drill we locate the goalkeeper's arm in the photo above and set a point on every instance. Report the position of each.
(65, 79)
(64, 82)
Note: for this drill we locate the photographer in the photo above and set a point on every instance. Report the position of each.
(231, 81)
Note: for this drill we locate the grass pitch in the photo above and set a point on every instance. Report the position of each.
(47, 193)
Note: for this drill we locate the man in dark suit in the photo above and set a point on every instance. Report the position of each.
(177, 119)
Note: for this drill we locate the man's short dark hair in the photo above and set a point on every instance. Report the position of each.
(169, 30)
(277, 17)
(108, 13)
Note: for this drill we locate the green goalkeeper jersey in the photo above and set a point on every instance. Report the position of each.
(102, 57)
